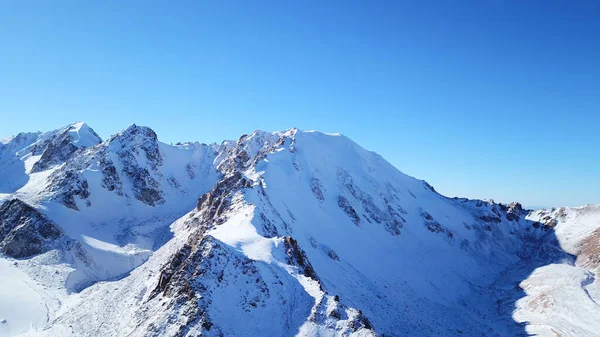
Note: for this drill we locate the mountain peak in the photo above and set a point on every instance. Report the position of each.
(135, 129)
(134, 134)
(83, 135)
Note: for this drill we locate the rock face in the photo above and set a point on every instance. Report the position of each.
(138, 153)
(13, 147)
(24, 231)
(205, 271)
(344, 204)
(41, 152)
(128, 164)
(59, 146)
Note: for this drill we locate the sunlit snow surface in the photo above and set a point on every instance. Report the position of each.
(22, 309)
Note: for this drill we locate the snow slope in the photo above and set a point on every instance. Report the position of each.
(564, 299)
(295, 233)
(22, 308)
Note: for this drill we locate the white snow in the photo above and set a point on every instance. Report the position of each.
(22, 309)
(558, 302)
(5, 140)
(82, 135)
(575, 223)
(239, 232)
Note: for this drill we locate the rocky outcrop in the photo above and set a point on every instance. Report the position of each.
(547, 221)
(331, 313)
(433, 225)
(213, 204)
(324, 248)
(490, 214)
(515, 211)
(139, 155)
(57, 151)
(60, 146)
(69, 186)
(24, 231)
(344, 204)
(139, 140)
(206, 268)
(317, 188)
(297, 257)
(111, 179)
(179, 282)
(390, 217)
(132, 155)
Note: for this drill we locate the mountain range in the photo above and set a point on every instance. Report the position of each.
(290, 233)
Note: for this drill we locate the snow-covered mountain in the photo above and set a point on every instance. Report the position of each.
(294, 233)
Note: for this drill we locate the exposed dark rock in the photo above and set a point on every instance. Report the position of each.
(57, 149)
(313, 242)
(551, 223)
(344, 204)
(397, 222)
(393, 227)
(429, 187)
(169, 270)
(111, 180)
(390, 217)
(345, 180)
(335, 313)
(191, 170)
(145, 188)
(317, 188)
(140, 138)
(490, 218)
(67, 185)
(426, 215)
(515, 207)
(214, 203)
(514, 211)
(174, 183)
(24, 231)
(130, 145)
(329, 310)
(269, 230)
(332, 255)
(56, 152)
(433, 226)
(198, 267)
(362, 322)
(297, 257)
(324, 248)
(237, 158)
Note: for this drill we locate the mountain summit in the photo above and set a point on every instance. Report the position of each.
(292, 233)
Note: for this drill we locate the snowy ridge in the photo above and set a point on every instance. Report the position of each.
(28, 153)
(290, 233)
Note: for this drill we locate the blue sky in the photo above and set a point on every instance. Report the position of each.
(484, 99)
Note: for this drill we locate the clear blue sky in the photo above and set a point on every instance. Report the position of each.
(486, 99)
